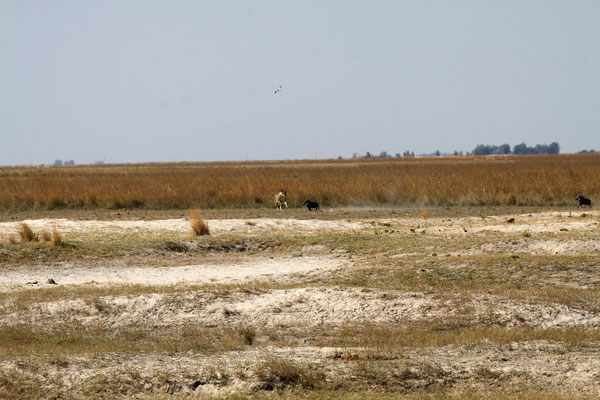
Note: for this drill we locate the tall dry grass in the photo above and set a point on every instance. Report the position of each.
(56, 240)
(27, 234)
(498, 180)
(199, 227)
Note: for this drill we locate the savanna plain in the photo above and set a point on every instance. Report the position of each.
(424, 278)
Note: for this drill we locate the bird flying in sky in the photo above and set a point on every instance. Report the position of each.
(278, 89)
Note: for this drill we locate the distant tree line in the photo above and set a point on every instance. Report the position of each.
(480, 150)
(383, 154)
(522, 148)
(66, 162)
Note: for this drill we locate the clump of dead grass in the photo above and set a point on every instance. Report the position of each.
(46, 236)
(199, 227)
(19, 385)
(69, 339)
(277, 373)
(56, 240)
(27, 234)
(248, 334)
(386, 339)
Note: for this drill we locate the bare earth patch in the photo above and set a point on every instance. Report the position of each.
(289, 308)
(275, 323)
(549, 365)
(248, 226)
(114, 273)
(549, 222)
(537, 246)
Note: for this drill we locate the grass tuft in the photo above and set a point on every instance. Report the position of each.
(46, 236)
(248, 334)
(27, 234)
(276, 373)
(199, 227)
(56, 239)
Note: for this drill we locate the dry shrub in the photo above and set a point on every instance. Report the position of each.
(19, 385)
(248, 334)
(59, 361)
(53, 238)
(115, 203)
(91, 201)
(277, 373)
(56, 239)
(55, 203)
(46, 236)
(27, 234)
(199, 227)
(217, 375)
(174, 246)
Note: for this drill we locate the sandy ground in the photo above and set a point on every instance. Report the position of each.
(552, 222)
(309, 308)
(537, 246)
(14, 278)
(327, 307)
(547, 364)
(247, 226)
(534, 223)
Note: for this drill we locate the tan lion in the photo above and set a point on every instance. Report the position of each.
(281, 199)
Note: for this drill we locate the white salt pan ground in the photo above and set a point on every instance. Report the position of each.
(539, 222)
(552, 222)
(536, 246)
(302, 307)
(113, 273)
(183, 225)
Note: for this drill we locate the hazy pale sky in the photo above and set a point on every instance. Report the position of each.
(149, 80)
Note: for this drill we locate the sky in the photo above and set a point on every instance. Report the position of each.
(154, 80)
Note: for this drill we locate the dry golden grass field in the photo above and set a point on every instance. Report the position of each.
(461, 278)
(494, 180)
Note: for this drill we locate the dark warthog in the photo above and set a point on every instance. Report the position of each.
(583, 201)
(311, 204)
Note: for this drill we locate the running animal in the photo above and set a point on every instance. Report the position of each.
(311, 204)
(281, 199)
(583, 201)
